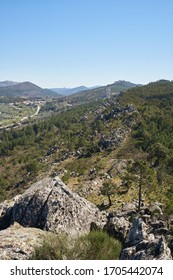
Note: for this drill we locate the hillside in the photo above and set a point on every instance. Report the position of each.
(96, 94)
(102, 92)
(117, 153)
(7, 83)
(25, 89)
(69, 91)
(117, 86)
(85, 142)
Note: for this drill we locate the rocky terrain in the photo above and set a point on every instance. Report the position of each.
(49, 206)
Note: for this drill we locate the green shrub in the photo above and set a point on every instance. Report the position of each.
(96, 245)
(32, 166)
(53, 248)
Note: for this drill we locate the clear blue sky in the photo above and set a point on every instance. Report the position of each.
(66, 43)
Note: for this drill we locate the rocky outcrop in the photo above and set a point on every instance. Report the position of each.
(18, 243)
(50, 205)
(144, 235)
(156, 249)
(143, 243)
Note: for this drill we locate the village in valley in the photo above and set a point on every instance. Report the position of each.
(18, 113)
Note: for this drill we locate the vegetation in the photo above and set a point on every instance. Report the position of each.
(108, 189)
(24, 151)
(96, 245)
(10, 114)
(143, 177)
(151, 135)
(83, 137)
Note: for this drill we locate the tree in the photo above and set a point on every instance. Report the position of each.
(108, 189)
(143, 177)
(158, 152)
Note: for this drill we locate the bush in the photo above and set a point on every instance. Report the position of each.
(33, 166)
(53, 248)
(96, 245)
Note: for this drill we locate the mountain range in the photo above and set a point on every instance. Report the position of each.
(28, 89)
(68, 91)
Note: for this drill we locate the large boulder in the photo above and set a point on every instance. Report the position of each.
(50, 205)
(19, 243)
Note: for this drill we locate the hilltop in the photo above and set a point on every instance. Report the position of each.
(68, 91)
(7, 83)
(25, 89)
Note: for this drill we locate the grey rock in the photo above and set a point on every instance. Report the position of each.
(137, 233)
(170, 220)
(143, 244)
(50, 205)
(127, 213)
(158, 224)
(128, 206)
(118, 227)
(156, 209)
(156, 250)
(19, 243)
(170, 244)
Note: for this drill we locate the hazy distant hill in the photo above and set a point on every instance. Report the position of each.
(68, 91)
(99, 93)
(25, 89)
(122, 85)
(118, 86)
(7, 83)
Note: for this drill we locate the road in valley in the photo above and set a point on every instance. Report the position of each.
(7, 127)
(35, 114)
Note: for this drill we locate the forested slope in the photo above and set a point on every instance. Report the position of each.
(96, 138)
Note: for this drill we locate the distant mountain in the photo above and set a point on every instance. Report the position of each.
(123, 85)
(7, 83)
(117, 86)
(25, 89)
(85, 94)
(68, 91)
(99, 93)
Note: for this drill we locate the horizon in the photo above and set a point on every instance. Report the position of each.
(93, 86)
(89, 86)
(73, 43)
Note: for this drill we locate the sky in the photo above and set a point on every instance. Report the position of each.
(68, 43)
